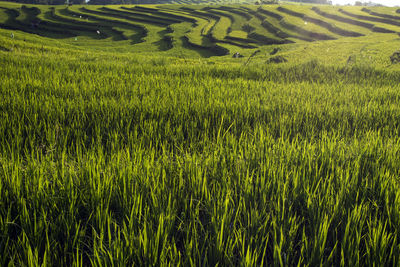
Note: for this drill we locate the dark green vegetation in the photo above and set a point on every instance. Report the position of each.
(128, 147)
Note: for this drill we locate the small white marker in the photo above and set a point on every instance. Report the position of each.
(98, 32)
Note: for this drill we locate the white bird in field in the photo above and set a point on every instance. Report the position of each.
(12, 35)
(98, 32)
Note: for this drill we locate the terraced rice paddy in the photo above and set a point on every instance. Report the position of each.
(130, 135)
(211, 30)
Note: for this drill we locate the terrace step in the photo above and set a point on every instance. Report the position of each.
(369, 26)
(32, 24)
(160, 13)
(321, 23)
(373, 19)
(129, 14)
(120, 16)
(291, 31)
(373, 13)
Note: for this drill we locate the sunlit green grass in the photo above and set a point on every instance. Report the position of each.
(114, 154)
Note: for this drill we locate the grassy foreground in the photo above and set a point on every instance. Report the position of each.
(111, 159)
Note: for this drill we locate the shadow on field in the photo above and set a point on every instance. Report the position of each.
(166, 41)
(203, 52)
(31, 24)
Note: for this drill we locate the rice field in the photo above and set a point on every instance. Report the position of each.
(161, 149)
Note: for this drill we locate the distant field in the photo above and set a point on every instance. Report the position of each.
(205, 31)
(131, 135)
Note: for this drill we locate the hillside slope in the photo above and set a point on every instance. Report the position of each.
(189, 29)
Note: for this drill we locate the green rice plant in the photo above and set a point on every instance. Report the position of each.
(116, 156)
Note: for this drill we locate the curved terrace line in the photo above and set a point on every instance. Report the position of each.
(377, 14)
(369, 26)
(373, 19)
(321, 23)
